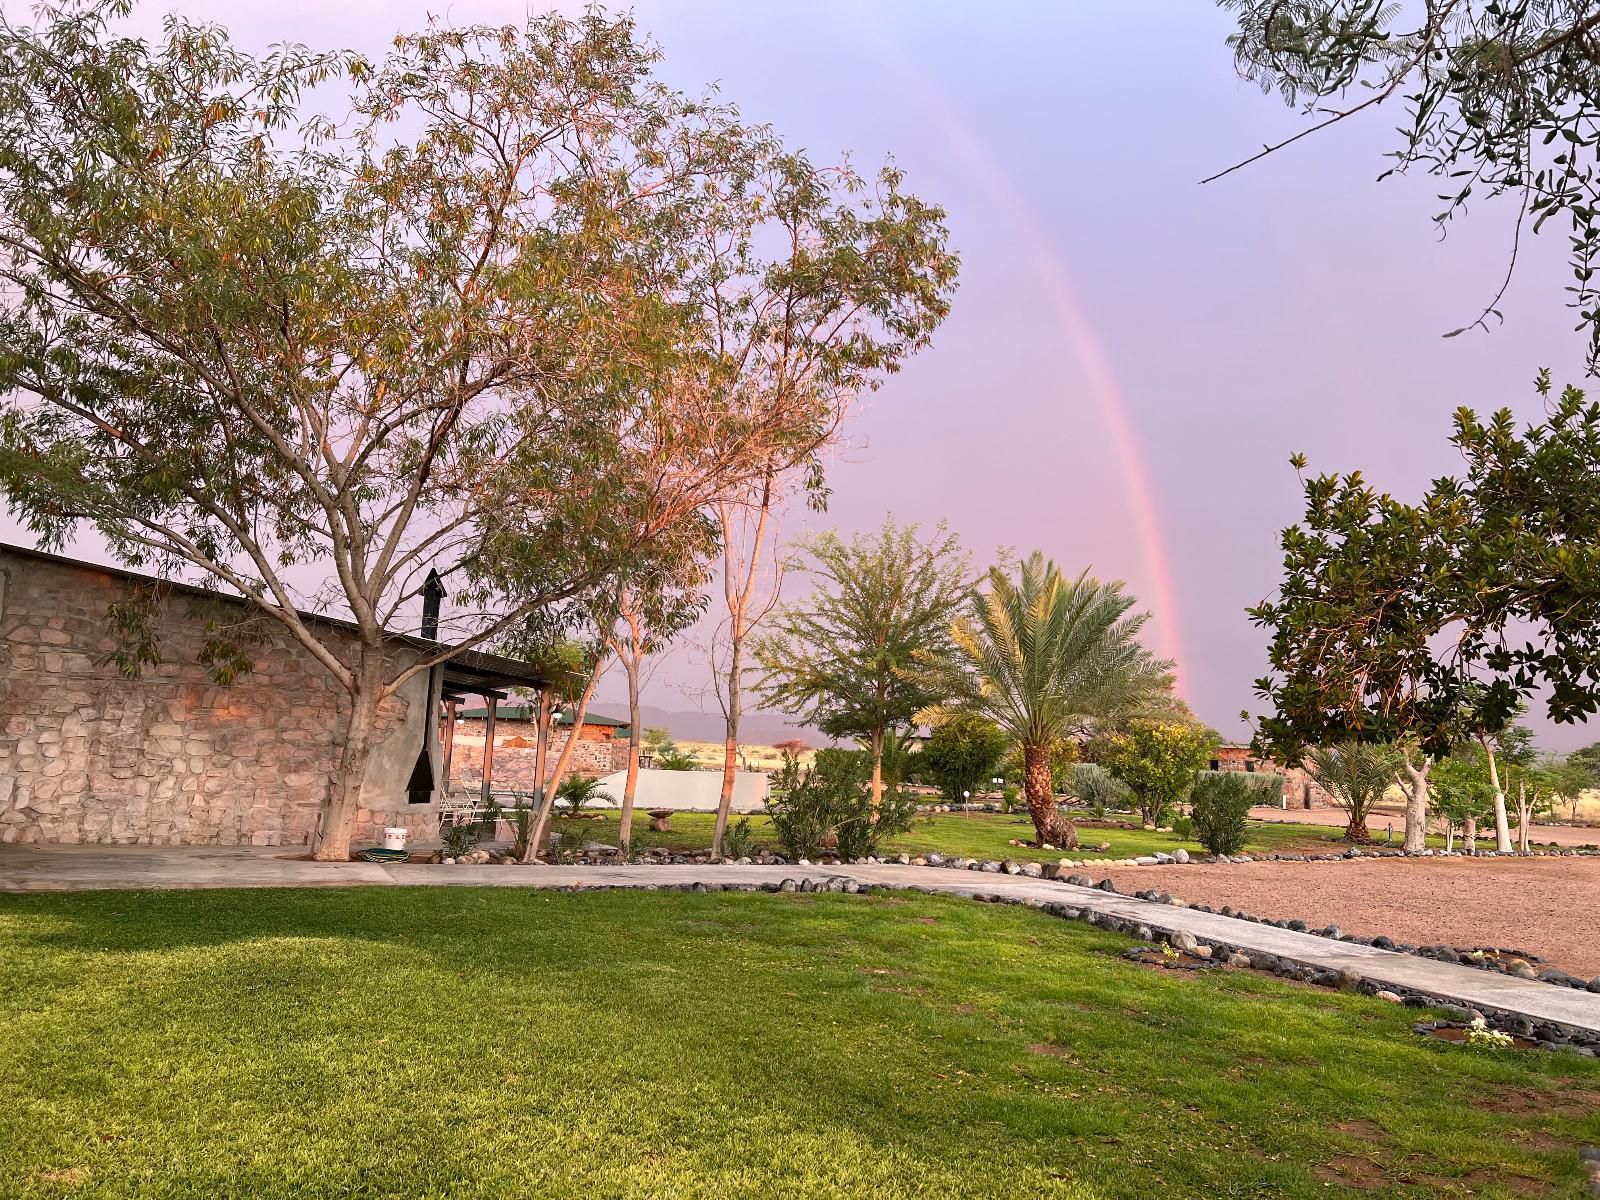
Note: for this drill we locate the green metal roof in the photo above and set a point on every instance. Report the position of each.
(524, 712)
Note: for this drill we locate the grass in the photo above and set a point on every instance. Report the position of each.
(965, 835)
(470, 1042)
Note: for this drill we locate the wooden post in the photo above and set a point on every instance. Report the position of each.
(449, 737)
(493, 702)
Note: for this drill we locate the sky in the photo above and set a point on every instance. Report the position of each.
(1132, 356)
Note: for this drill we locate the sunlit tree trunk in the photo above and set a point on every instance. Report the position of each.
(1502, 833)
(337, 820)
(541, 832)
(630, 785)
(745, 528)
(1416, 839)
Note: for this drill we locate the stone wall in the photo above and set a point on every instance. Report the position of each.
(597, 753)
(1299, 787)
(171, 757)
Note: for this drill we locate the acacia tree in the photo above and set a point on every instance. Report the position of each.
(1500, 95)
(1044, 657)
(810, 286)
(841, 660)
(238, 338)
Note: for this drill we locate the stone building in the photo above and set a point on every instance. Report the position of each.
(171, 757)
(1299, 789)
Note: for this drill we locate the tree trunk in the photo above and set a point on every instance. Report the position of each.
(730, 748)
(631, 785)
(1417, 806)
(1502, 832)
(563, 760)
(337, 821)
(1037, 788)
(1524, 813)
(1355, 828)
(1469, 834)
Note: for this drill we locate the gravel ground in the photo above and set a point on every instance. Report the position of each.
(1544, 906)
(1561, 835)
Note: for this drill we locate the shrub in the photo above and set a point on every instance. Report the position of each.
(576, 791)
(673, 759)
(1219, 805)
(737, 839)
(1159, 760)
(832, 804)
(458, 838)
(962, 755)
(1099, 788)
(1183, 827)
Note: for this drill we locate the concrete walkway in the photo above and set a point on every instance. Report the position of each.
(83, 868)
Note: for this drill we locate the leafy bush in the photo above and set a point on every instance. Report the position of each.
(576, 791)
(673, 759)
(1158, 760)
(962, 755)
(1099, 788)
(1183, 827)
(1219, 805)
(458, 838)
(737, 839)
(831, 805)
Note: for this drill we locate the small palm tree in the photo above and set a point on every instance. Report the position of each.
(1044, 657)
(1356, 775)
(577, 790)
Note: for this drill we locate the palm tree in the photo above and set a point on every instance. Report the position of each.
(1044, 657)
(1356, 775)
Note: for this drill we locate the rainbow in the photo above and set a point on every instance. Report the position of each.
(1104, 392)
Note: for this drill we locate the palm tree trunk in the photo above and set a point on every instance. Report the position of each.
(1038, 790)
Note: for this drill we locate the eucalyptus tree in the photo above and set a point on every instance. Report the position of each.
(859, 277)
(1357, 775)
(841, 659)
(1044, 657)
(653, 607)
(460, 326)
(1500, 101)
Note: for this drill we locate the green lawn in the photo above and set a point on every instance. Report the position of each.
(968, 835)
(469, 1042)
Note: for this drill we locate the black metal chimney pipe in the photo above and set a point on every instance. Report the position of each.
(432, 593)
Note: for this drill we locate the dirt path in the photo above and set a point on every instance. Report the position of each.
(1561, 835)
(1545, 906)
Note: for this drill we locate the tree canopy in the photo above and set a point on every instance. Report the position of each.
(518, 314)
(1500, 97)
(842, 658)
(1440, 619)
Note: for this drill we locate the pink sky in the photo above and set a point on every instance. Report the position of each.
(1131, 357)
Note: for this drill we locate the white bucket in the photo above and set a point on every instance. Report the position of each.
(394, 837)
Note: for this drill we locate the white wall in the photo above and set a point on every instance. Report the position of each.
(689, 791)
